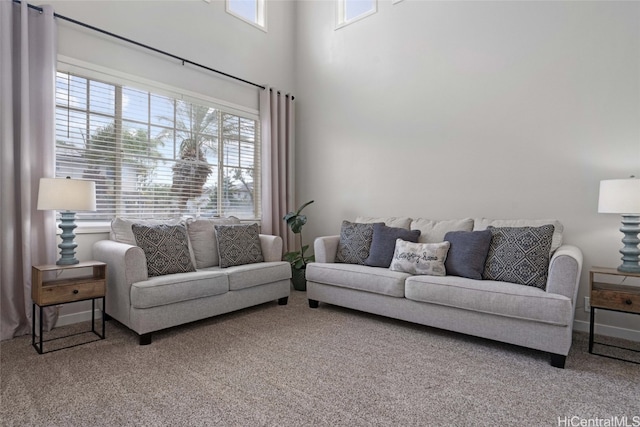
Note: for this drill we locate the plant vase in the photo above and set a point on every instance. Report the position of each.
(299, 279)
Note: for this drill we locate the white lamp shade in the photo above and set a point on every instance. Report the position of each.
(65, 194)
(621, 196)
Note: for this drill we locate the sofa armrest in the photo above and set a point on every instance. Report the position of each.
(126, 264)
(325, 248)
(565, 268)
(271, 247)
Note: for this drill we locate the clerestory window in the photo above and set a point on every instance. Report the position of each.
(251, 11)
(349, 11)
(153, 155)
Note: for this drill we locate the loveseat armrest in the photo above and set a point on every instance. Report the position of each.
(126, 264)
(325, 248)
(271, 247)
(565, 268)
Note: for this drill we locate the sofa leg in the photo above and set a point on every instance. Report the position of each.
(558, 360)
(145, 339)
(313, 303)
(283, 301)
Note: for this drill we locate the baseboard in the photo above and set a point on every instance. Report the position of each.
(610, 331)
(82, 316)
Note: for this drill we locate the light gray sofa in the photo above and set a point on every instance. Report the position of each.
(508, 312)
(148, 304)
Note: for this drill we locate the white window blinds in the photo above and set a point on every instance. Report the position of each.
(152, 155)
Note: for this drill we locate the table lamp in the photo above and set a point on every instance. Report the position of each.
(67, 196)
(622, 196)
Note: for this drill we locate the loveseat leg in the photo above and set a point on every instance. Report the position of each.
(557, 360)
(283, 301)
(313, 303)
(145, 339)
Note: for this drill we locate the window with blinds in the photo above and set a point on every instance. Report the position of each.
(153, 156)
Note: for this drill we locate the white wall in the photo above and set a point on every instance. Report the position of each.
(193, 29)
(450, 109)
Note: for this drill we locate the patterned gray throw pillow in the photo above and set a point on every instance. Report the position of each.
(519, 255)
(238, 244)
(202, 235)
(355, 242)
(166, 248)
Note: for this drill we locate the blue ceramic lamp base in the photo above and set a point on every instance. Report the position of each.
(68, 246)
(630, 252)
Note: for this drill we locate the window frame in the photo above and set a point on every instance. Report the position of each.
(341, 11)
(99, 73)
(261, 14)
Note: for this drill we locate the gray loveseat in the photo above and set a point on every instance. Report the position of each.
(527, 316)
(147, 304)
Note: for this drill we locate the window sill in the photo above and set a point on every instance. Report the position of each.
(89, 227)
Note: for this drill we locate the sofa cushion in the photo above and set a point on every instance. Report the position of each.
(204, 243)
(166, 248)
(165, 290)
(238, 244)
(390, 221)
(558, 228)
(420, 258)
(250, 275)
(468, 253)
(121, 227)
(355, 242)
(383, 243)
(519, 255)
(370, 279)
(433, 231)
(486, 296)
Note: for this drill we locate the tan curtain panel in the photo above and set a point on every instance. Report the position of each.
(277, 114)
(27, 93)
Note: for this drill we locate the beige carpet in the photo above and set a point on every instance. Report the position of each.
(293, 366)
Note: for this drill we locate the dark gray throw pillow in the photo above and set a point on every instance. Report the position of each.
(383, 243)
(166, 248)
(468, 253)
(355, 242)
(238, 244)
(519, 255)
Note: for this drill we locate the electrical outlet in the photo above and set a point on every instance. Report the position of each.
(587, 304)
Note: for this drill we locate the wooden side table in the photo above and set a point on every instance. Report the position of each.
(63, 291)
(607, 296)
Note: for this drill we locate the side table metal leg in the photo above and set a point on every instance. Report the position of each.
(591, 321)
(103, 318)
(41, 350)
(33, 324)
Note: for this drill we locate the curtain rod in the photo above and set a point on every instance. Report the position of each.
(184, 61)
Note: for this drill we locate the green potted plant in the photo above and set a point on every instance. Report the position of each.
(298, 259)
